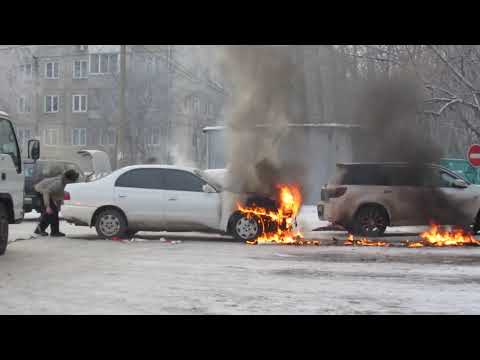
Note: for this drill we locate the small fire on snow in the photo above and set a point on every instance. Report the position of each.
(278, 224)
(437, 238)
(431, 238)
(351, 241)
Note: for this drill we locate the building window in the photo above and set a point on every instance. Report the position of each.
(155, 136)
(50, 137)
(152, 136)
(51, 70)
(79, 137)
(26, 71)
(24, 134)
(210, 109)
(196, 105)
(24, 105)
(79, 103)
(51, 103)
(107, 137)
(103, 63)
(80, 69)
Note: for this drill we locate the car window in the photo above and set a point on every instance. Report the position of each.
(447, 179)
(141, 179)
(178, 180)
(366, 175)
(406, 176)
(439, 178)
(28, 170)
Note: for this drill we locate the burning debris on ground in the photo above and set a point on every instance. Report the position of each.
(435, 237)
(351, 241)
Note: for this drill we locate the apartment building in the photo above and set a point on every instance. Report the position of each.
(68, 96)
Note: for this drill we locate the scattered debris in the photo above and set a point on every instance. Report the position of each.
(33, 237)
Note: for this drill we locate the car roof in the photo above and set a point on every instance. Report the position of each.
(171, 167)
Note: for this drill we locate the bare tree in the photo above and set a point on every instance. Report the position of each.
(146, 104)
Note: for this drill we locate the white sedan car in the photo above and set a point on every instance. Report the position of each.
(156, 198)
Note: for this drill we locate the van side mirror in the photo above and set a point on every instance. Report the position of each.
(34, 149)
(460, 184)
(208, 189)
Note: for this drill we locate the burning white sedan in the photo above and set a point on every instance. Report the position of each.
(161, 198)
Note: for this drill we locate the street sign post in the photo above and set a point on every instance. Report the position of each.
(473, 155)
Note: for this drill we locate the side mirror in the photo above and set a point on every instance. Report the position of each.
(208, 189)
(34, 149)
(459, 183)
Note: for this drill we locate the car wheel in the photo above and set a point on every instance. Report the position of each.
(370, 221)
(111, 224)
(476, 225)
(3, 229)
(245, 228)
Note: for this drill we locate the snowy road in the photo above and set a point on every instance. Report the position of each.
(213, 275)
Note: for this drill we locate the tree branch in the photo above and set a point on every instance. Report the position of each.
(453, 69)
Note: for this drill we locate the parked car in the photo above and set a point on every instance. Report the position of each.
(37, 171)
(97, 162)
(365, 199)
(156, 198)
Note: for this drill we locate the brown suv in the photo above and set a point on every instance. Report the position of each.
(365, 199)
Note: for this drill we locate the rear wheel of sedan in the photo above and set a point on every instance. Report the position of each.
(110, 224)
(245, 228)
(370, 221)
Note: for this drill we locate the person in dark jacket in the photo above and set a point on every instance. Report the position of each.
(52, 190)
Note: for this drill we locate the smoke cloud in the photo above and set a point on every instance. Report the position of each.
(388, 111)
(262, 81)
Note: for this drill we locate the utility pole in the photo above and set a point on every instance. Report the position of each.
(36, 98)
(170, 136)
(121, 130)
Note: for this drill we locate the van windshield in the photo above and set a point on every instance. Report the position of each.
(8, 142)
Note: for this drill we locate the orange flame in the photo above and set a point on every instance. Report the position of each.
(283, 218)
(351, 241)
(436, 238)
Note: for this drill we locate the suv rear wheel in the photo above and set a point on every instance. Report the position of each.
(370, 221)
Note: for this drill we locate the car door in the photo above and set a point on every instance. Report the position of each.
(454, 205)
(412, 198)
(187, 206)
(138, 193)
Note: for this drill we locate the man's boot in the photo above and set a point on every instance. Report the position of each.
(38, 231)
(57, 234)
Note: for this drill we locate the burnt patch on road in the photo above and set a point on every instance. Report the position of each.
(407, 258)
(402, 277)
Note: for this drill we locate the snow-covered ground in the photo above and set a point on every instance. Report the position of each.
(204, 274)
